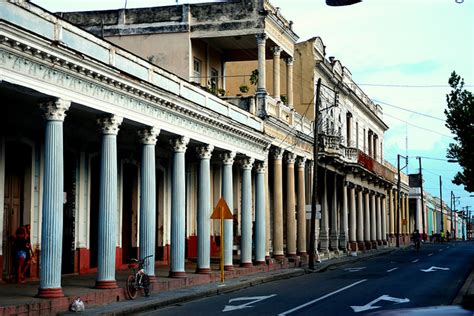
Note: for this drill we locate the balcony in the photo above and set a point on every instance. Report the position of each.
(374, 166)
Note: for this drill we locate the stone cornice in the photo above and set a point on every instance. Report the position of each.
(30, 56)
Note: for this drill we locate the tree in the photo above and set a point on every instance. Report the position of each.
(460, 120)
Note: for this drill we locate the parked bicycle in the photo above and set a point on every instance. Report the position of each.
(139, 279)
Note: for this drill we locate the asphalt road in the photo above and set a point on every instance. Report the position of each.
(402, 279)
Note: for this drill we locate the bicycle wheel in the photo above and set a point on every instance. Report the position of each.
(146, 284)
(130, 287)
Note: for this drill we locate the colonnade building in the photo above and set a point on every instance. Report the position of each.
(120, 147)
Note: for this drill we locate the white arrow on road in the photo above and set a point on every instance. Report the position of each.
(434, 269)
(251, 299)
(354, 269)
(369, 306)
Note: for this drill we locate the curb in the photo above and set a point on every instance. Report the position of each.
(465, 296)
(211, 289)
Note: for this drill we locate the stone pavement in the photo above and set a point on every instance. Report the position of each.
(18, 299)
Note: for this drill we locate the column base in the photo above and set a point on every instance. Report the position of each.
(353, 246)
(50, 293)
(246, 264)
(361, 245)
(105, 284)
(152, 278)
(302, 253)
(203, 270)
(229, 268)
(385, 243)
(374, 244)
(291, 255)
(379, 243)
(279, 257)
(177, 274)
(260, 263)
(368, 245)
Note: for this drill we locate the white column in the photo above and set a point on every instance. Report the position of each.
(148, 138)
(246, 236)
(277, 204)
(324, 228)
(343, 230)
(289, 80)
(260, 213)
(261, 40)
(178, 207)
(52, 211)
(373, 220)
(384, 219)
(334, 234)
(290, 205)
(301, 211)
(204, 210)
(108, 203)
(379, 219)
(276, 50)
(352, 217)
(360, 219)
(367, 227)
(228, 194)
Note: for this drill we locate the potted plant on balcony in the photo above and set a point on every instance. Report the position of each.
(221, 92)
(244, 88)
(254, 77)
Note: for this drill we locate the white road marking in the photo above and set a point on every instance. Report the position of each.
(440, 250)
(434, 269)
(321, 298)
(368, 306)
(430, 254)
(393, 269)
(354, 269)
(415, 261)
(252, 299)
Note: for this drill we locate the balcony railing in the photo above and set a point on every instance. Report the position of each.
(370, 164)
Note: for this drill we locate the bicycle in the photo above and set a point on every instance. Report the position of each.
(139, 279)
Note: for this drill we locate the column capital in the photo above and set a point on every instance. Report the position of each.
(277, 153)
(205, 151)
(179, 144)
(110, 124)
(228, 157)
(261, 38)
(276, 50)
(261, 166)
(289, 61)
(149, 136)
(54, 110)
(310, 164)
(290, 157)
(247, 163)
(301, 161)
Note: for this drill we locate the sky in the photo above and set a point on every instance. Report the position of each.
(400, 52)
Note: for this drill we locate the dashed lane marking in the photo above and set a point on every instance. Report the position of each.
(393, 269)
(430, 254)
(415, 261)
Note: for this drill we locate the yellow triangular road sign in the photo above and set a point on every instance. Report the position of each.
(222, 208)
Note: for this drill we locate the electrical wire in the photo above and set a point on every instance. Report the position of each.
(388, 85)
(411, 111)
(420, 127)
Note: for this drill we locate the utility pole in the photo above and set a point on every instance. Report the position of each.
(422, 198)
(398, 201)
(453, 205)
(312, 237)
(441, 202)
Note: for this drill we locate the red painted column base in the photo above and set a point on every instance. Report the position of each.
(260, 263)
(50, 293)
(278, 257)
(302, 253)
(177, 274)
(203, 270)
(246, 264)
(361, 245)
(291, 255)
(152, 278)
(229, 268)
(353, 246)
(368, 245)
(105, 284)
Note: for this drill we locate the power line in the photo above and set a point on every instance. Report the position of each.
(388, 85)
(420, 127)
(411, 111)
